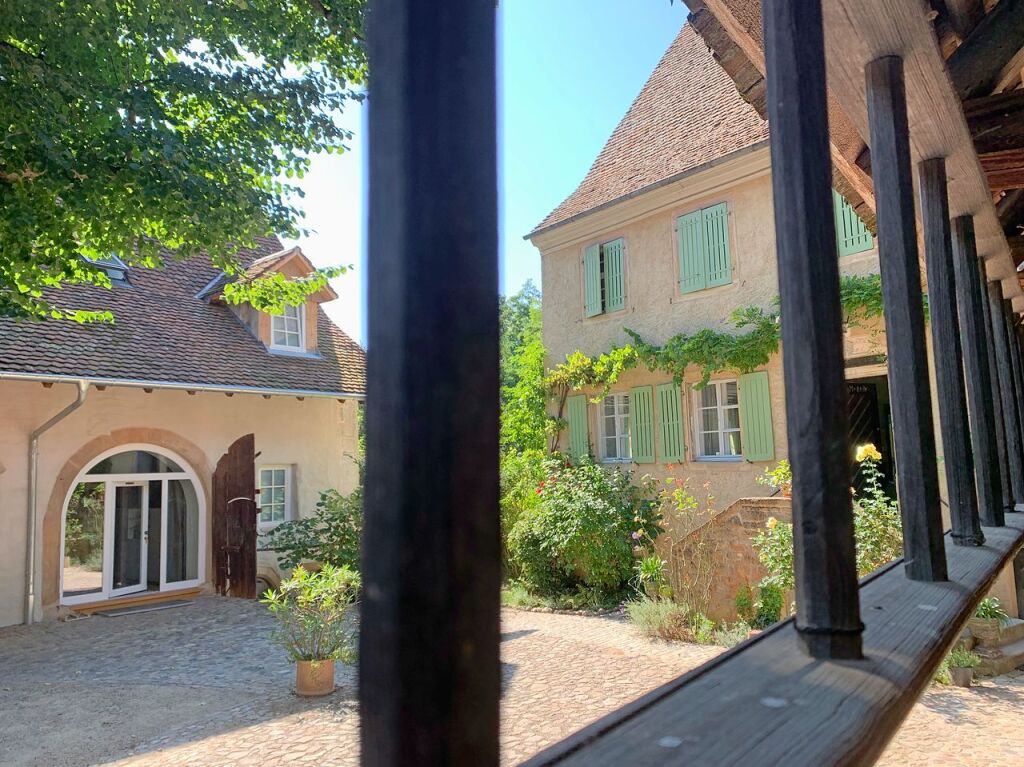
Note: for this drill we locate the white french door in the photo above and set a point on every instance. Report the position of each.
(127, 534)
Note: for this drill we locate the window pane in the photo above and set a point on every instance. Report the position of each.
(279, 477)
(710, 443)
(623, 403)
(266, 477)
(135, 462)
(709, 420)
(182, 531)
(732, 418)
(733, 446)
(83, 540)
(709, 395)
(731, 394)
(611, 447)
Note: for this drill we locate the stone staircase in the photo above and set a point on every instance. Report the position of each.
(1000, 646)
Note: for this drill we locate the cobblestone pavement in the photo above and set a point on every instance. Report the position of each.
(202, 685)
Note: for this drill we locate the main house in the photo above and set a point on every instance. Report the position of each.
(141, 459)
(670, 231)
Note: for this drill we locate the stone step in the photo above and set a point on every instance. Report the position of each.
(989, 634)
(1000, 660)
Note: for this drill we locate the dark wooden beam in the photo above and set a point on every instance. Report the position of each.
(975, 66)
(996, 122)
(1006, 491)
(429, 678)
(1010, 209)
(964, 15)
(974, 335)
(917, 478)
(1004, 374)
(949, 372)
(1016, 374)
(828, 612)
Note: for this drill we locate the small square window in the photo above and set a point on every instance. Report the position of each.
(286, 329)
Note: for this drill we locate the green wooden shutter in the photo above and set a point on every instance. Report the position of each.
(670, 423)
(641, 423)
(716, 245)
(579, 439)
(690, 243)
(756, 417)
(614, 276)
(851, 234)
(592, 280)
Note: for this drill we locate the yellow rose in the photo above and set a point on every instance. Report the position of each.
(868, 451)
(772, 523)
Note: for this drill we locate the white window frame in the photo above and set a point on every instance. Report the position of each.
(722, 431)
(621, 416)
(275, 319)
(263, 525)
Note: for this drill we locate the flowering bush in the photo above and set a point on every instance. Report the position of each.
(582, 533)
(778, 478)
(876, 527)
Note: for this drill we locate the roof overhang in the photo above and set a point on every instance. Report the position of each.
(290, 262)
(190, 386)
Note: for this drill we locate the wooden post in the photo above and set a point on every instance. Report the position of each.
(917, 478)
(429, 678)
(828, 609)
(949, 371)
(1004, 370)
(978, 374)
(1012, 340)
(997, 402)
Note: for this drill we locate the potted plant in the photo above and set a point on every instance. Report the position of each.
(961, 666)
(314, 624)
(779, 478)
(988, 621)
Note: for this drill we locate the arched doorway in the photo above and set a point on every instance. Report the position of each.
(134, 520)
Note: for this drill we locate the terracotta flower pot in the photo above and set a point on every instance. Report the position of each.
(314, 677)
(962, 677)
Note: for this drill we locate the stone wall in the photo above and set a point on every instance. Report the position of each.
(722, 552)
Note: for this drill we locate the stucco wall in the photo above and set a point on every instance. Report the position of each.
(313, 435)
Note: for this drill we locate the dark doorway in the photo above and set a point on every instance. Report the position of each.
(870, 421)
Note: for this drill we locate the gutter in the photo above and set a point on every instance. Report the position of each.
(33, 475)
(177, 385)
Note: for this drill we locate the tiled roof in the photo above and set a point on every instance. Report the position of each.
(687, 114)
(164, 333)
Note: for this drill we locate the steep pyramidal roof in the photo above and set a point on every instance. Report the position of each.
(687, 114)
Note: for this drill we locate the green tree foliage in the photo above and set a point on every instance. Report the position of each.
(128, 125)
(331, 535)
(523, 395)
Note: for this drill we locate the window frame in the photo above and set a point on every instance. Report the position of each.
(301, 317)
(266, 526)
(698, 429)
(602, 277)
(623, 432)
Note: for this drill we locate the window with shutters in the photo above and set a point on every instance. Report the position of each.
(702, 246)
(717, 413)
(615, 443)
(851, 234)
(274, 496)
(604, 278)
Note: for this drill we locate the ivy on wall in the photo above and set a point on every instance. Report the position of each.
(712, 351)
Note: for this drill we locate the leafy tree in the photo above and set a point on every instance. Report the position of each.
(523, 392)
(127, 125)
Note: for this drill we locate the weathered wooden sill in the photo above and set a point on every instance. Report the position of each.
(765, 702)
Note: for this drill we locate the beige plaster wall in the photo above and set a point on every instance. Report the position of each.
(313, 435)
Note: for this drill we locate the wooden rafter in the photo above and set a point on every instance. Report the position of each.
(977, 64)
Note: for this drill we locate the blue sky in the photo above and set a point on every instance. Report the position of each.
(568, 71)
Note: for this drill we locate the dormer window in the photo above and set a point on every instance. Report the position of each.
(286, 330)
(115, 269)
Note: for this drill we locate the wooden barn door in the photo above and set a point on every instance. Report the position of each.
(234, 520)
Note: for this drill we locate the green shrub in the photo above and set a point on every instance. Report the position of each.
(660, 619)
(941, 674)
(769, 606)
(730, 635)
(649, 577)
(992, 610)
(744, 603)
(702, 628)
(515, 594)
(521, 474)
(330, 536)
(583, 531)
(961, 658)
(312, 609)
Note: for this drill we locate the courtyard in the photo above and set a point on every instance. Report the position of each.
(203, 685)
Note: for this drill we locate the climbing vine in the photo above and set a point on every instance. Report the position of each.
(712, 351)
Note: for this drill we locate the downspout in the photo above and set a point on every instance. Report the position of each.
(33, 477)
